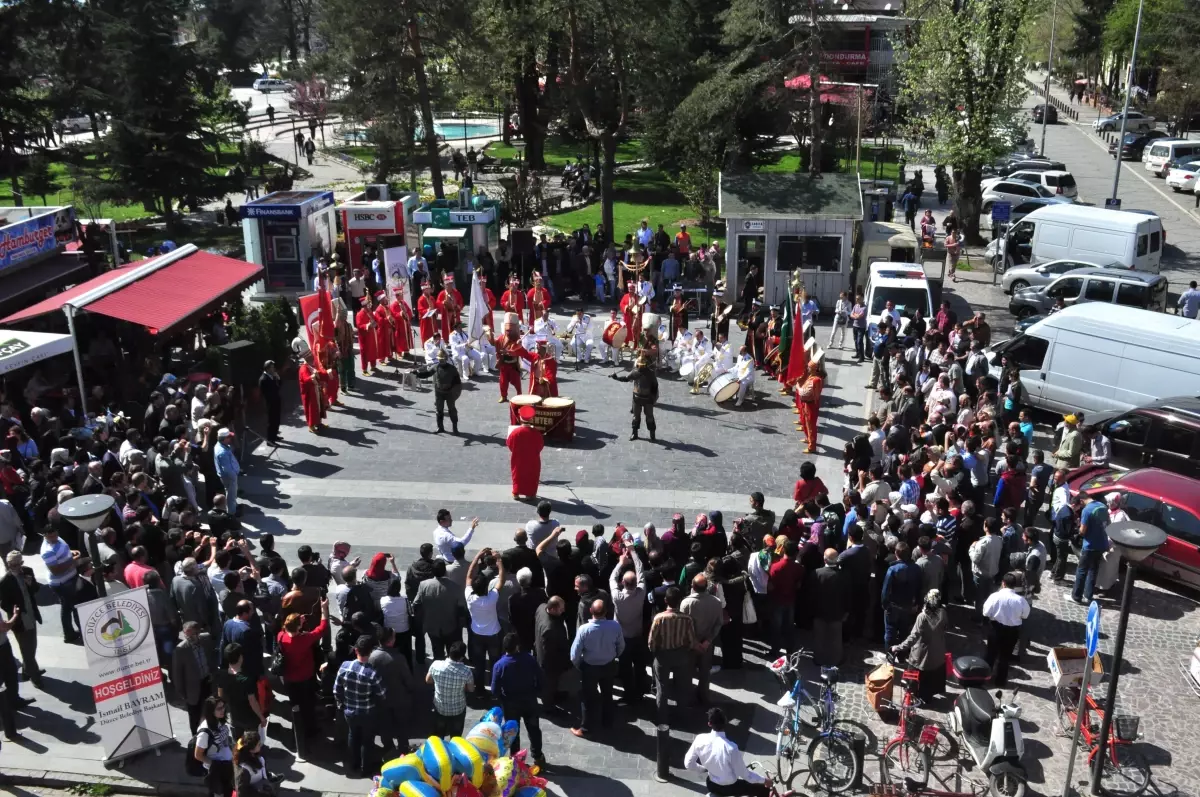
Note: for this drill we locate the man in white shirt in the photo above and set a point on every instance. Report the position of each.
(433, 346)
(722, 762)
(444, 540)
(1007, 611)
(723, 358)
(606, 351)
(745, 374)
(547, 326)
(417, 265)
(579, 328)
(357, 286)
(467, 359)
(645, 235)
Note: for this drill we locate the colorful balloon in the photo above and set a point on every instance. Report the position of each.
(531, 791)
(494, 714)
(417, 788)
(435, 759)
(398, 770)
(467, 760)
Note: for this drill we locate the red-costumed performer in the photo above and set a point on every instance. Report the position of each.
(509, 353)
(383, 328)
(809, 394)
(310, 394)
(537, 298)
(425, 304)
(364, 322)
(402, 337)
(525, 446)
(543, 375)
(450, 303)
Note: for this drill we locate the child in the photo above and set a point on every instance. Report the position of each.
(1039, 481)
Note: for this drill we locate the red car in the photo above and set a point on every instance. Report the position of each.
(1167, 500)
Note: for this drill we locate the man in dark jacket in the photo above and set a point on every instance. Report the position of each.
(18, 590)
(418, 571)
(832, 600)
(552, 647)
(447, 384)
(269, 386)
(645, 394)
(856, 563)
(523, 606)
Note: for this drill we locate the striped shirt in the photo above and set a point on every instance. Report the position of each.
(55, 555)
(671, 631)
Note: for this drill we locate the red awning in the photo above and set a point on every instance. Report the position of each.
(164, 298)
(831, 92)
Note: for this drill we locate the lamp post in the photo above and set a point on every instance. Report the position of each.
(1135, 541)
(1049, 73)
(1137, 32)
(87, 513)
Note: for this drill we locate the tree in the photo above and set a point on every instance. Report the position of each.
(39, 180)
(962, 85)
(158, 149)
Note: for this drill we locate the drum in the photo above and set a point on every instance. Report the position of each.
(687, 368)
(614, 334)
(724, 387)
(517, 402)
(556, 418)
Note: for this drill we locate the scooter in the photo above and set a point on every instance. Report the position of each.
(991, 732)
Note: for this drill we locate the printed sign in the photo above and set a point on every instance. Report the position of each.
(270, 211)
(12, 347)
(1001, 211)
(131, 708)
(471, 216)
(754, 226)
(847, 57)
(27, 239)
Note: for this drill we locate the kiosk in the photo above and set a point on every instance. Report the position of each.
(283, 232)
(463, 225)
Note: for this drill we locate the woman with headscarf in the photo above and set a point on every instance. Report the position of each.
(757, 571)
(710, 533)
(925, 646)
(378, 577)
(790, 526)
(676, 541)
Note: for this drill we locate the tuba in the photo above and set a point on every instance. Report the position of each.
(702, 376)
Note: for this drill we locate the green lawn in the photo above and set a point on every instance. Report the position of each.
(361, 151)
(790, 161)
(560, 152)
(644, 194)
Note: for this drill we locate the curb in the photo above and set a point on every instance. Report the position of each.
(13, 776)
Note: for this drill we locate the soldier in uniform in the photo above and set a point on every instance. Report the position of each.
(718, 325)
(447, 385)
(645, 394)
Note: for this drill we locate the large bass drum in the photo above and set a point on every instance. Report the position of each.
(724, 387)
(615, 333)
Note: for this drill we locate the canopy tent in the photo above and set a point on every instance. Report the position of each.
(19, 348)
(159, 293)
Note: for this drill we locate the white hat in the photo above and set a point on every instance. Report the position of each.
(909, 508)
(223, 432)
(718, 294)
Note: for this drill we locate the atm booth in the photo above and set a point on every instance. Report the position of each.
(464, 225)
(284, 232)
(369, 216)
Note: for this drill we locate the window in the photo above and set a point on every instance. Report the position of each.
(1175, 439)
(1155, 241)
(1143, 245)
(1131, 429)
(1132, 294)
(1178, 522)
(1042, 191)
(1140, 507)
(1026, 207)
(1052, 180)
(1099, 290)
(1067, 288)
(1066, 181)
(1023, 190)
(1062, 267)
(1027, 352)
(808, 252)
(1021, 233)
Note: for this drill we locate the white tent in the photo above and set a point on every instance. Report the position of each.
(19, 349)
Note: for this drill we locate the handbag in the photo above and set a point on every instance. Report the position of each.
(749, 615)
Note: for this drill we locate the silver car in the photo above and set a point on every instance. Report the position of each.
(1022, 277)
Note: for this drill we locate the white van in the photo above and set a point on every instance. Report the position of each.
(1159, 154)
(1093, 235)
(902, 284)
(1097, 357)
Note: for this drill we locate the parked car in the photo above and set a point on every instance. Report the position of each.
(1164, 434)
(1045, 111)
(1162, 153)
(1136, 121)
(1125, 287)
(1182, 176)
(1135, 144)
(79, 122)
(1016, 192)
(1059, 181)
(1080, 232)
(1022, 277)
(1015, 164)
(1168, 500)
(268, 84)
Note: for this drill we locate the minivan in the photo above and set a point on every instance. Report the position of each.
(268, 84)
(1091, 284)
(1091, 234)
(1158, 156)
(1163, 434)
(1095, 357)
(902, 284)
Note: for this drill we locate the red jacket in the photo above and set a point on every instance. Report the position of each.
(299, 664)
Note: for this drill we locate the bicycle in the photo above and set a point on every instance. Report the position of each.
(916, 788)
(832, 758)
(918, 742)
(1126, 771)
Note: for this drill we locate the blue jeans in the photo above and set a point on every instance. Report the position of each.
(783, 627)
(360, 738)
(897, 622)
(67, 593)
(230, 485)
(1085, 574)
(165, 635)
(860, 342)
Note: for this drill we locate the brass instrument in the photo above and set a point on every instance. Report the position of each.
(702, 376)
(724, 316)
(774, 356)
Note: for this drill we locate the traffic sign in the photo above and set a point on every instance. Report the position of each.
(1001, 211)
(1112, 204)
(1093, 633)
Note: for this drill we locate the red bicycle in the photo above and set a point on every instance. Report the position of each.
(919, 741)
(1126, 772)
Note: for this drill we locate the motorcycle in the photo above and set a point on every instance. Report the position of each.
(991, 732)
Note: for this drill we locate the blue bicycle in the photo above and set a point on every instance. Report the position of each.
(831, 755)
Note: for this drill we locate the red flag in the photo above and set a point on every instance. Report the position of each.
(797, 357)
(317, 312)
(325, 314)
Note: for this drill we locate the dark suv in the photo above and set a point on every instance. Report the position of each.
(1164, 433)
(1167, 500)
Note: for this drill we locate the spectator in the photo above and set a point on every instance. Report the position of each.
(900, 595)
(629, 602)
(1093, 527)
(419, 571)
(783, 582)
(985, 561)
(394, 608)
(299, 651)
(451, 679)
(832, 601)
(523, 606)
(64, 581)
(358, 689)
(516, 684)
(707, 613)
(227, 468)
(726, 774)
(925, 646)
(396, 712)
(552, 648)
(438, 606)
(191, 672)
(214, 748)
(239, 690)
(484, 640)
(445, 540)
(672, 642)
(18, 590)
(1007, 611)
(250, 768)
(594, 652)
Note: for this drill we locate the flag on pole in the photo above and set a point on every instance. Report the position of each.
(797, 364)
(478, 310)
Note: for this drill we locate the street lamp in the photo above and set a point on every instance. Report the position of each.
(1049, 74)
(1137, 32)
(1134, 541)
(519, 146)
(87, 513)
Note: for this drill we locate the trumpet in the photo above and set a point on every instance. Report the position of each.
(724, 316)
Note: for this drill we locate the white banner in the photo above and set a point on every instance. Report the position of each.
(478, 313)
(131, 708)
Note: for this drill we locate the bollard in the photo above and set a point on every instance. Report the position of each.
(663, 744)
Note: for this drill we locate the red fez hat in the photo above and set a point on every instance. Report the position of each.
(526, 413)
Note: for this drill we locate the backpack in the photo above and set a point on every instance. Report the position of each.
(190, 764)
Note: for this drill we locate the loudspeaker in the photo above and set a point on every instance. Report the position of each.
(240, 364)
(521, 240)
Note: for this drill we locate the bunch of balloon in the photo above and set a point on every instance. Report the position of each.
(480, 764)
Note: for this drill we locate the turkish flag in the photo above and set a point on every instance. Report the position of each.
(797, 355)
